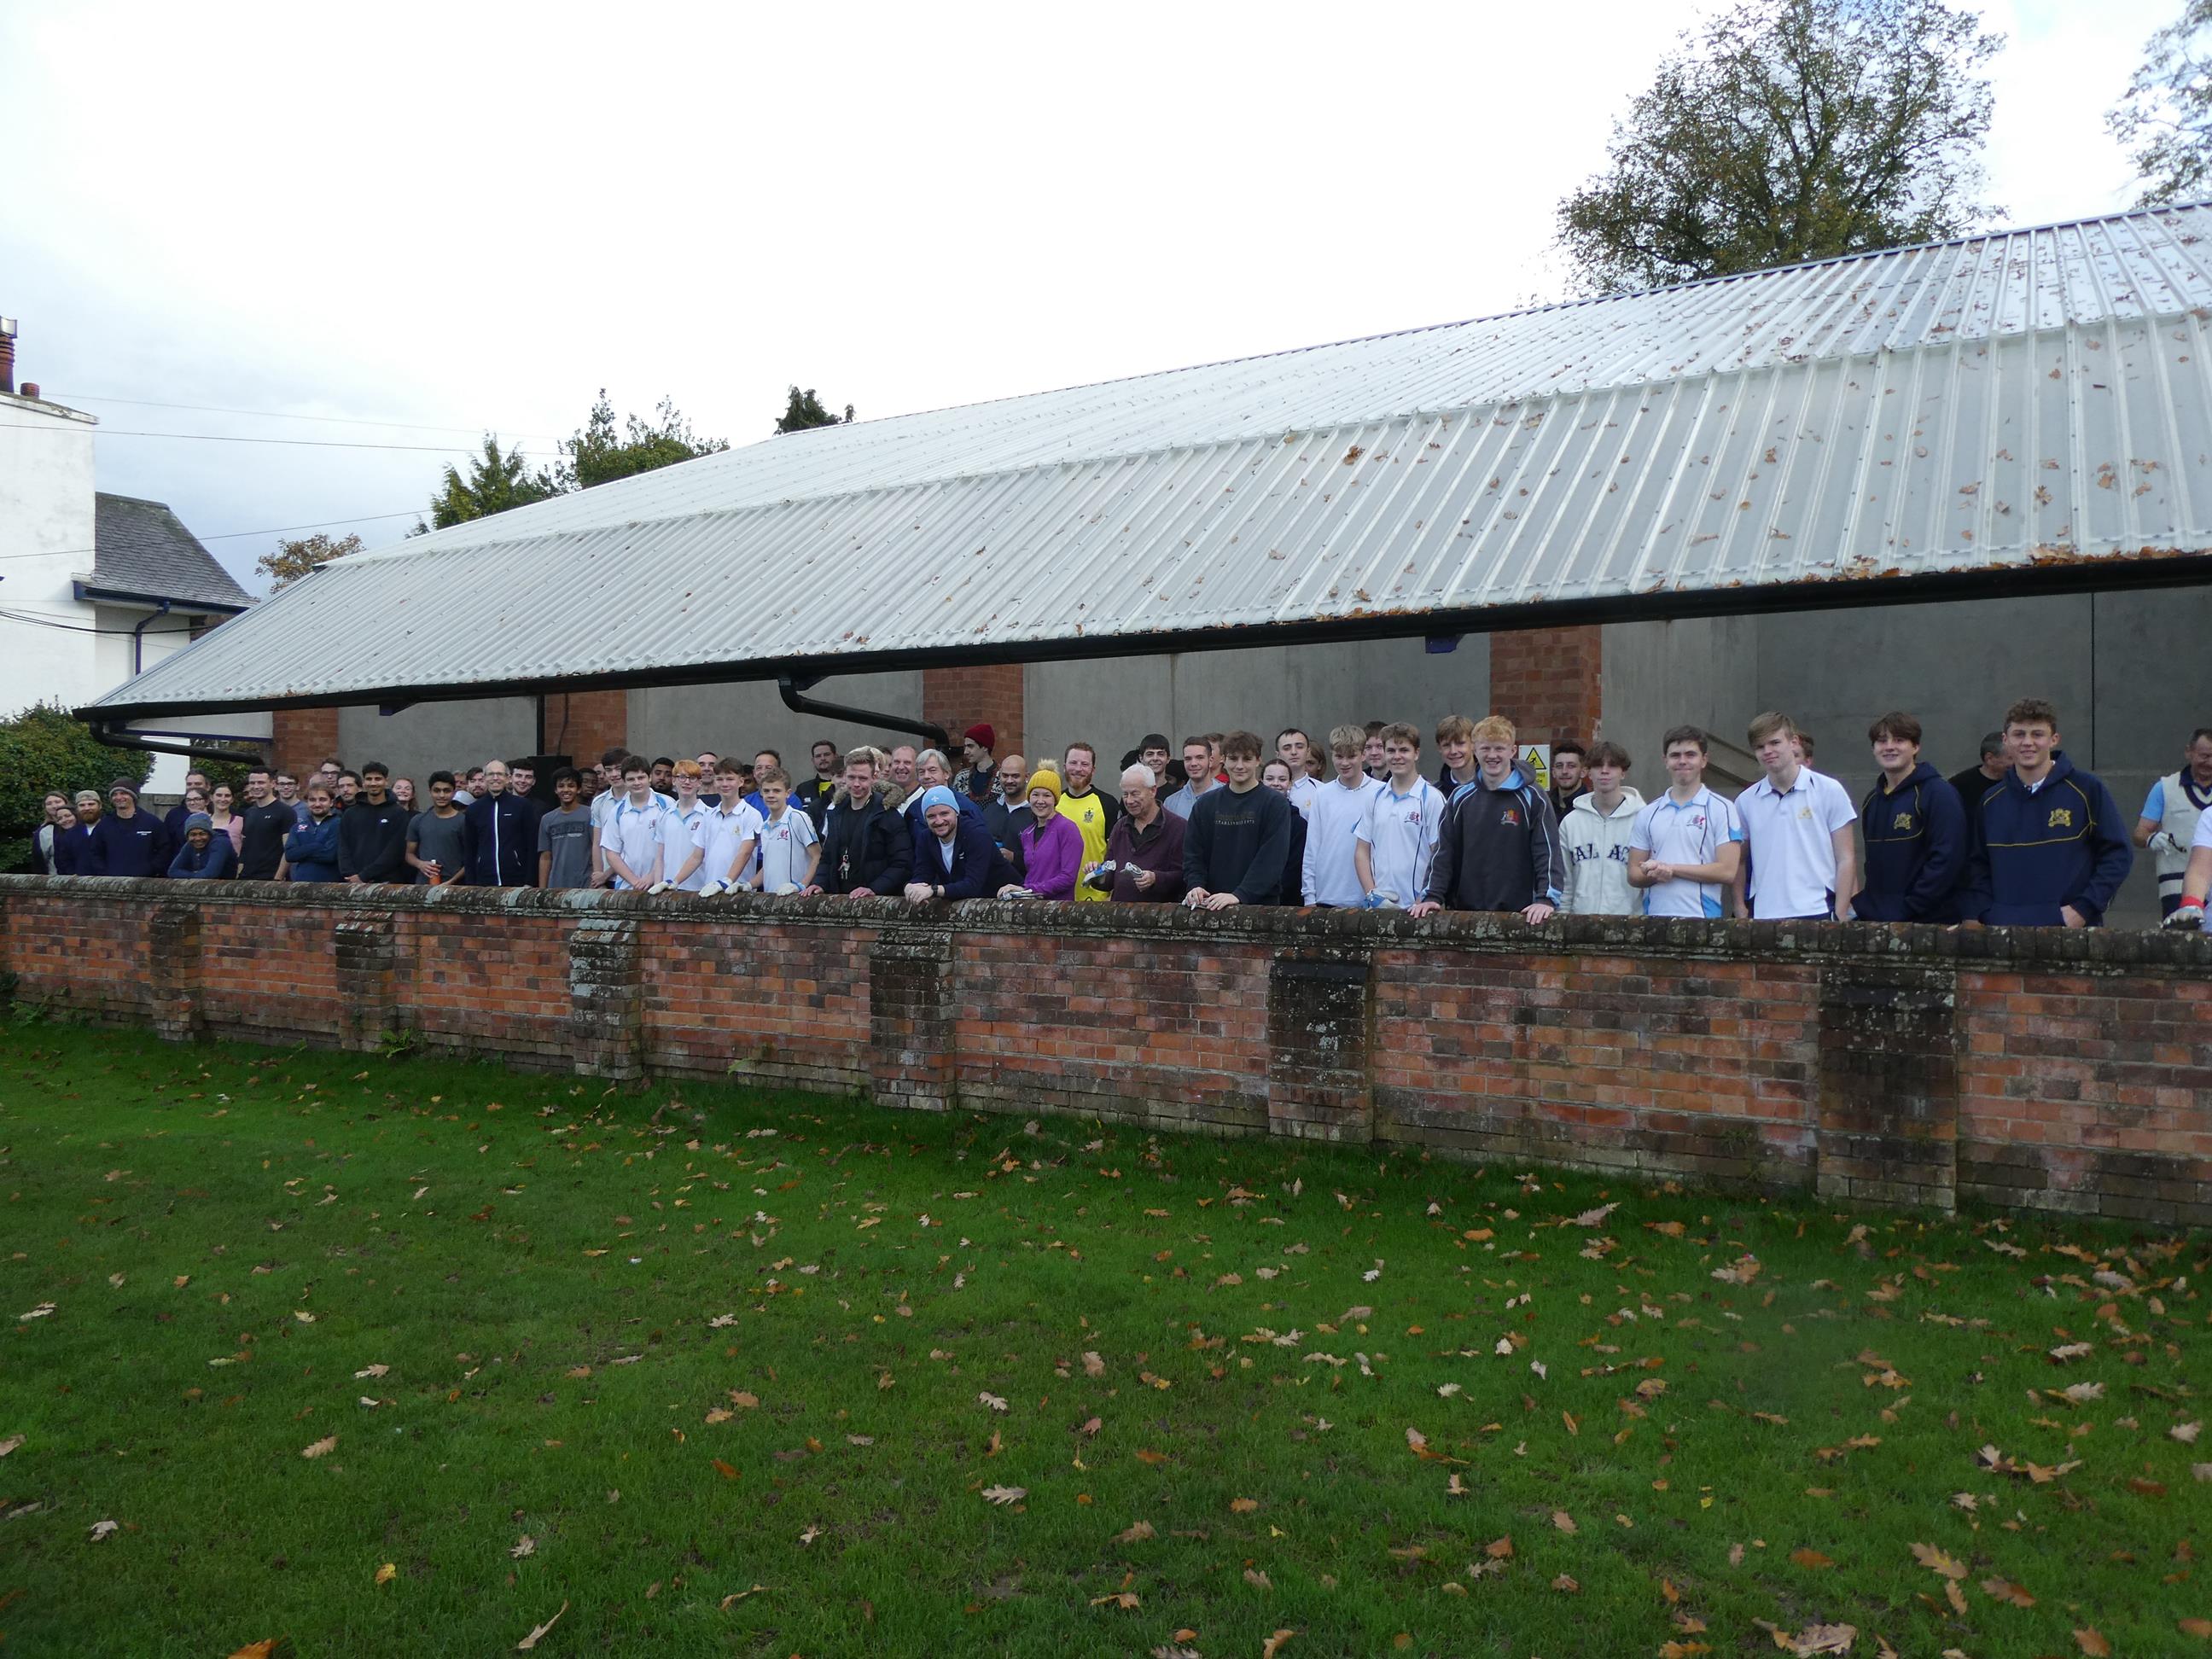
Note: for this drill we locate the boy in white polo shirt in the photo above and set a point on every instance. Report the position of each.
(789, 848)
(1801, 863)
(630, 844)
(1397, 838)
(731, 831)
(683, 834)
(1331, 875)
(1685, 847)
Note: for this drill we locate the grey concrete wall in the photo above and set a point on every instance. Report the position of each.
(421, 740)
(743, 716)
(1112, 702)
(2129, 673)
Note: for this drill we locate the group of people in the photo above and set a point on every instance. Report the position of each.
(2024, 838)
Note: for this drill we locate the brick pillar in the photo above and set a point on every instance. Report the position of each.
(369, 1009)
(596, 721)
(911, 1036)
(1548, 681)
(301, 736)
(957, 698)
(1318, 1085)
(172, 970)
(1888, 1130)
(606, 999)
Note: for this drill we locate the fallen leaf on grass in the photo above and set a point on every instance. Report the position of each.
(725, 1470)
(1565, 1583)
(45, 1309)
(10, 1443)
(744, 1401)
(1118, 1598)
(1091, 1425)
(736, 1596)
(2005, 1590)
(2201, 1628)
(103, 1528)
(524, 1545)
(993, 1400)
(327, 1444)
(1273, 1644)
(1936, 1560)
(1824, 1638)
(1811, 1558)
(537, 1633)
(270, 1647)
(2093, 1644)
(1498, 1548)
(1137, 1534)
(1243, 1505)
(387, 1573)
(372, 1371)
(1005, 1494)
(1257, 1579)
(719, 1414)
(1564, 1522)
(1093, 1365)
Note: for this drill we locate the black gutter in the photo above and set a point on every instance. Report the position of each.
(2054, 577)
(791, 686)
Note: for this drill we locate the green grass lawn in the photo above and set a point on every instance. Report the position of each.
(397, 1356)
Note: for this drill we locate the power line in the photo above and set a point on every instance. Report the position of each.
(279, 415)
(32, 620)
(230, 438)
(229, 535)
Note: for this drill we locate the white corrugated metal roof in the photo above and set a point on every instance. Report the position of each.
(2016, 399)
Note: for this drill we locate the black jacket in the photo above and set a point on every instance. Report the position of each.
(501, 836)
(373, 841)
(867, 845)
(1239, 843)
(1497, 849)
(137, 845)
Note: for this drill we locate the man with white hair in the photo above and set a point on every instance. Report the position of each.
(1144, 854)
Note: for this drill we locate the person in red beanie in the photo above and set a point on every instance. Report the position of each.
(981, 774)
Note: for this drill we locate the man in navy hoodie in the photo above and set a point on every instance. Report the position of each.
(136, 844)
(1497, 844)
(1916, 832)
(2049, 846)
(501, 834)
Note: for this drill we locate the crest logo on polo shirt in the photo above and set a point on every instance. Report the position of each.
(1511, 818)
(2061, 818)
(1902, 821)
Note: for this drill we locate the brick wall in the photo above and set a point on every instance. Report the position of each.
(299, 738)
(1549, 681)
(2028, 1070)
(957, 698)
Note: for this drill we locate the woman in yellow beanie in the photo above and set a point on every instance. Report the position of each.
(1051, 847)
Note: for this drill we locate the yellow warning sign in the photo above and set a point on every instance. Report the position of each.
(1536, 765)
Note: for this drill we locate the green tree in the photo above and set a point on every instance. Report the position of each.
(2165, 117)
(45, 747)
(497, 480)
(598, 454)
(803, 410)
(1786, 130)
(292, 560)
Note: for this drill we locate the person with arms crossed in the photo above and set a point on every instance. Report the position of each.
(1396, 840)
(1800, 862)
(2048, 847)
(1916, 832)
(1498, 847)
(2171, 814)
(1236, 842)
(1597, 834)
(1686, 849)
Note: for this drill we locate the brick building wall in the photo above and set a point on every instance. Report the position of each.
(1549, 682)
(957, 698)
(299, 738)
(2029, 1070)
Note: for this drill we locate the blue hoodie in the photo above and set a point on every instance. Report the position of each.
(1497, 849)
(1915, 850)
(137, 845)
(213, 862)
(2030, 853)
(310, 850)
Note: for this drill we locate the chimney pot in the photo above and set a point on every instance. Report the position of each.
(7, 353)
(30, 388)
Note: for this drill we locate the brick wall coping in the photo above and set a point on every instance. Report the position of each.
(2042, 950)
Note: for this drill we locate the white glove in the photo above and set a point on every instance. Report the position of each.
(2189, 919)
(709, 889)
(658, 887)
(2165, 841)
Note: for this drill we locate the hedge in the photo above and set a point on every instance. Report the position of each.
(45, 748)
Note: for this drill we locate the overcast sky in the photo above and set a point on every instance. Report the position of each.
(466, 217)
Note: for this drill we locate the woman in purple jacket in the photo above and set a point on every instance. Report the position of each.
(1052, 847)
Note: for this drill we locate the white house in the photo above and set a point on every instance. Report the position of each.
(93, 589)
